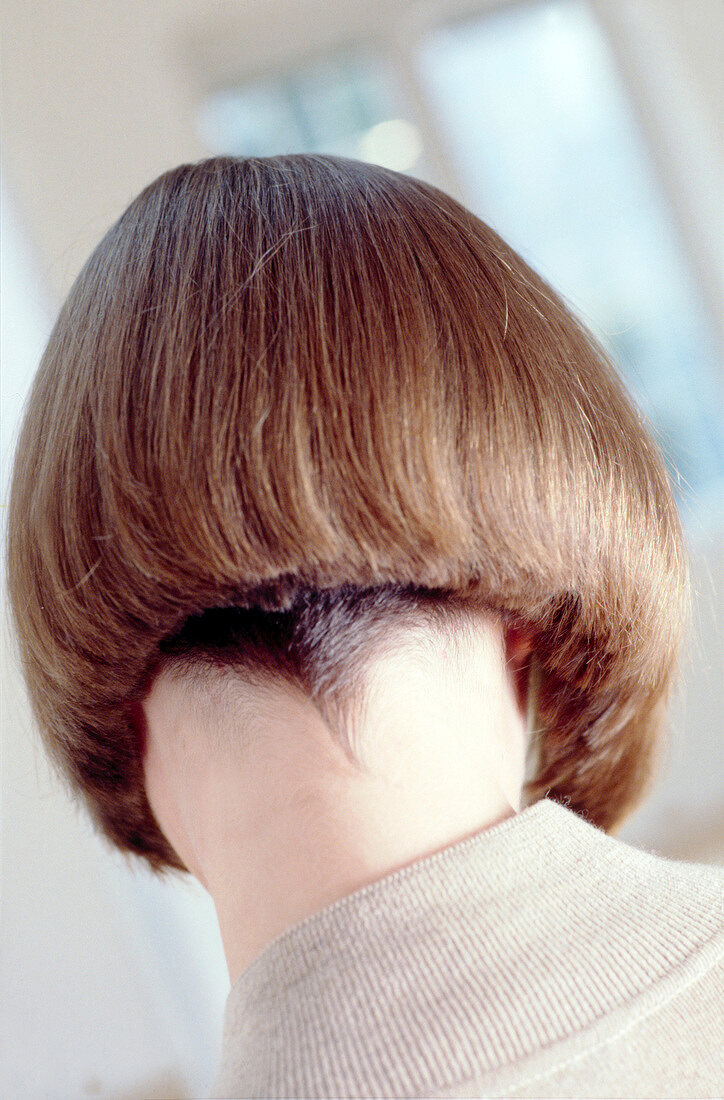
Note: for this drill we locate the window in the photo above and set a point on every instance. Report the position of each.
(344, 105)
(544, 141)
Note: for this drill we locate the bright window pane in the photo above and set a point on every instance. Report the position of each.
(549, 153)
(346, 105)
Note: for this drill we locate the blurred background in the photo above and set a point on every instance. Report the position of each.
(589, 134)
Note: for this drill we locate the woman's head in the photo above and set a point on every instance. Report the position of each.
(292, 401)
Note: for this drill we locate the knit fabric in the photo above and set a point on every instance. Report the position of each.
(540, 957)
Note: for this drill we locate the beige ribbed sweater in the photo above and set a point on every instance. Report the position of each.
(538, 958)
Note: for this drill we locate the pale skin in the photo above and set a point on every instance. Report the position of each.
(266, 811)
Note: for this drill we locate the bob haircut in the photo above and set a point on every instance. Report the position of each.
(290, 401)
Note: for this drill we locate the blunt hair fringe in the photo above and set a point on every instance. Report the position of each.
(291, 401)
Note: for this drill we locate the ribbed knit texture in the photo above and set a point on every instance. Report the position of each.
(538, 955)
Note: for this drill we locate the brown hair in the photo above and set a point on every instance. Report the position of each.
(326, 392)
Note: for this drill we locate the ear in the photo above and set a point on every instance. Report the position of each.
(519, 645)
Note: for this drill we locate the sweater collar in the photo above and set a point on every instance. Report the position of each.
(458, 964)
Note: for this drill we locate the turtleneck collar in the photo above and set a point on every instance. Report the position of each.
(459, 964)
